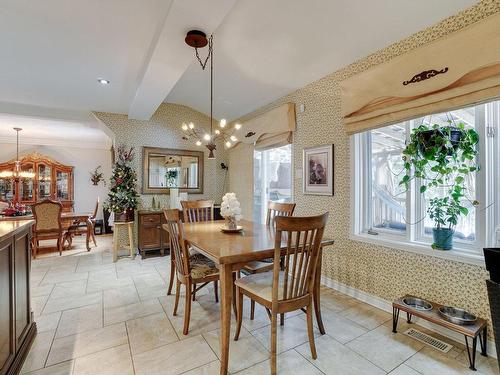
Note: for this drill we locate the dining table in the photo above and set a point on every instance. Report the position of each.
(230, 252)
(73, 218)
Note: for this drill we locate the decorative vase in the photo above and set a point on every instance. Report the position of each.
(231, 223)
(443, 238)
(125, 216)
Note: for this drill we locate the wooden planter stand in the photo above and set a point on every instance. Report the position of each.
(473, 331)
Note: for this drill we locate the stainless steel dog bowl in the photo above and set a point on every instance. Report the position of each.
(417, 303)
(457, 316)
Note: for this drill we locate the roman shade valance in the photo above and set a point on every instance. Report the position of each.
(273, 128)
(457, 70)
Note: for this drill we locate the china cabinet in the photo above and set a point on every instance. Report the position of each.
(51, 180)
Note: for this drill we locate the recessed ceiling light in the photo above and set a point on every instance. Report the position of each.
(103, 81)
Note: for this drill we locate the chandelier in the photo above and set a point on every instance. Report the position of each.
(17, 173)
(198, 39)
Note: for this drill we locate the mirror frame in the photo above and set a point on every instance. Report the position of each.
(147, 151)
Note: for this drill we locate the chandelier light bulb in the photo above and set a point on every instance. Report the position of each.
(191, 125)
(207, 137)
(237, 126)
(228, 144)
(233, 138)
(198, 143)
(184, 127)
(217, 131)
(223, 123)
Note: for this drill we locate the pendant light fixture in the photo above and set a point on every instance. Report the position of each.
(198, 39)
(17, 173)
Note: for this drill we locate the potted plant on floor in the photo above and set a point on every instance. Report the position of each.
(442, 158)
(122, 195)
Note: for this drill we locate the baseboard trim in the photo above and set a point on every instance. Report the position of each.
(385, 305)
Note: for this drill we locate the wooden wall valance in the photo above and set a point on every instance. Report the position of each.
(273, 128)
(459, 69)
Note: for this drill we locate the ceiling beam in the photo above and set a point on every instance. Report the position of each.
(170, 56)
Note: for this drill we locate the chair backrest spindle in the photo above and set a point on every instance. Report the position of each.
(198, 211)
(177, 242)
(276, 209)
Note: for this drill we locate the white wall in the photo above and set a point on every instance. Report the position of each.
(84, 160)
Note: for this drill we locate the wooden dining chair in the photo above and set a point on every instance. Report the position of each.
(78, 228)
(281, 291)
(193, 212)
(189, 269)
(48, 224)
(274, 210)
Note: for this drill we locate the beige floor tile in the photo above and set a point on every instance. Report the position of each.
(292, 334)
(38, 303)
(47, 322)
(404, 370)
(212, 368)
(429, 361)
(81, 344)
(245, 352)
(335, 358)
(366, 315)
(60, 277)
(289, 363)
(65, 368)
(385, 349)
(153, 292)
(107, 362)
(43, 290)
(336, 301)
(148, 280)
(69, 289)
(486, 365)
(120, 296)
(79, 320)
(150, 332)
(175, 358)
(135, 310)
(339, 327)
(38, 353)
(66, 303)
(99, 285)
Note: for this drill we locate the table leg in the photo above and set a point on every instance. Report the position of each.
(226, 283)
(471, 354)
(88, 234)
(317, 292)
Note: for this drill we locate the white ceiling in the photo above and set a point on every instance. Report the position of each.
(53, 51)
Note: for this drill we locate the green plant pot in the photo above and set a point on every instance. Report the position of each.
(443, 238)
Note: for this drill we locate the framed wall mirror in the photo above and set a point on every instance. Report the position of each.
(166, 168)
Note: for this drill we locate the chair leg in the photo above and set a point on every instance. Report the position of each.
(274, 343)
(187, 309)
(34, 246)
(216, 291)
(172, 274)
(239, 315)
(59, 245)
(194, 292)
(93, 237)
(282, 319)
(236, 275)
(252, 309)
(177, 294)
(310, 333)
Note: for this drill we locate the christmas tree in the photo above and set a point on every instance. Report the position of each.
(122, 194)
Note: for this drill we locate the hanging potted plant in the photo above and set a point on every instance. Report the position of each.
(122, 196)
(442, 158)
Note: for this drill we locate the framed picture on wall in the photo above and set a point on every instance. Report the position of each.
(318, 170)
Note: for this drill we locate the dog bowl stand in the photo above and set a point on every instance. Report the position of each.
(472, 331)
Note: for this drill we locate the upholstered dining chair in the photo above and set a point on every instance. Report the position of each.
(48, 224)
(193, 212)
(281, 291)
(79, 228)
(274, 210)
(190, 270)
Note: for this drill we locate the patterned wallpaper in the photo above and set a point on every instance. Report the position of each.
(381, 271)
(163, 130)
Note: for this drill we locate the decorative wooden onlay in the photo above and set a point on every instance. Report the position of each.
(249, 134)
(426, 74)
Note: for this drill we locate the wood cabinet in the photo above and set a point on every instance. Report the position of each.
(52, 180)
(17, 329)
(151, 236)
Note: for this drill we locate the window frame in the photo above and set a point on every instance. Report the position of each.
(487, 117)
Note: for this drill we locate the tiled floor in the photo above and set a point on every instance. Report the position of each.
(96, 317)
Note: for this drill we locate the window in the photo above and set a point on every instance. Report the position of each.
(272, 179)
(386, 212)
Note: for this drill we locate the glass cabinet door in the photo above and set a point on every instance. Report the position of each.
(6, 189)
(27, 185)
(44, 182)
(62, 185)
